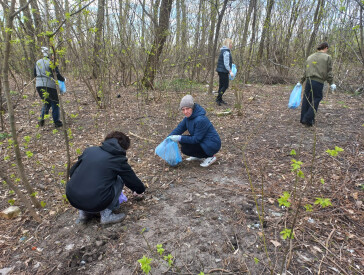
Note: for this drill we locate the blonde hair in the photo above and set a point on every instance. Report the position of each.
(227, 42)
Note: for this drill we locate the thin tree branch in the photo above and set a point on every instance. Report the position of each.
(64, 20)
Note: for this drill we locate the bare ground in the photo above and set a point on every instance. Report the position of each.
(206, 218)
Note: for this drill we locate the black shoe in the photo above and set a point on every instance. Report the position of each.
(223, 102)
(41, 122)
(58, 124)
(218, 103)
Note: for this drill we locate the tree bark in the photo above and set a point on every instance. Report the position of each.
(98, 38)
(5, 73)
(161, 34)
(266, 28)
(316, 21)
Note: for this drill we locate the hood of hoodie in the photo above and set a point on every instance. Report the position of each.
(113, 147)
(197, 111)
(224, 48)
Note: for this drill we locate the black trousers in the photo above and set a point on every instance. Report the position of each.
(311, 100)
(223, 85)
(193, 150)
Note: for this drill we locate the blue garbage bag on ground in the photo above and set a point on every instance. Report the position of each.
(295, 97)
(169, 151)
(62, 86)
(234, 70)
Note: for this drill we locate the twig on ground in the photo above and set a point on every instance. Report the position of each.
(135, 135)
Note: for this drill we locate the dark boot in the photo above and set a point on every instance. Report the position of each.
(41, 122)
(58, 124)
(107, 217)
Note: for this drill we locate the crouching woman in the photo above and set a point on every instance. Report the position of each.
(203, 141)
(98, 178)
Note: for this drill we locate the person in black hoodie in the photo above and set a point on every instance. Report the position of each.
(98, 178)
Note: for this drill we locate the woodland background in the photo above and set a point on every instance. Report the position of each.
(153, 51)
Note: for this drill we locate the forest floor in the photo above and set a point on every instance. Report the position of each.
(206, 218)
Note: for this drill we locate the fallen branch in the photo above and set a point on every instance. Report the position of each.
(135, 135)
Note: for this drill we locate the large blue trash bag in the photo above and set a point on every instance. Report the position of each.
(62, 86)
(169, 151)
(295, 97)
(234, 70)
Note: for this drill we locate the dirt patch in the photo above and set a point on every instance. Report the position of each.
(206, 218)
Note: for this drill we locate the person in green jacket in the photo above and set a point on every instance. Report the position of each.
(318, 70)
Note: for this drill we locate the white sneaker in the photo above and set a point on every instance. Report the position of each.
(208, 161)
(193, 158)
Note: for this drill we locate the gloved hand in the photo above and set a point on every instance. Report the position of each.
(299, 84)
(175, 138)
(333, 87)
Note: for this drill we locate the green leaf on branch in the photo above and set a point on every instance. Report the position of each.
(286, 233)
(145, 264)
(283, 200)
(323, 202)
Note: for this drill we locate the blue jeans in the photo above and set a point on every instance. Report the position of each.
(51, 100)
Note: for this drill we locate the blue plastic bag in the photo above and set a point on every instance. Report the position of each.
(234, 71)
(295, 97)
(169, 151)
(62, 86)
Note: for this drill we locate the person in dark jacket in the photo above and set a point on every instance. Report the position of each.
(46, 88)
(98, 178)
(224, 66)
(318, 69)
(202, 142)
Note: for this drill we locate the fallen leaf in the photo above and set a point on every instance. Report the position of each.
(275, 243)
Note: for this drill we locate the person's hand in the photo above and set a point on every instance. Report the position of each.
(231, 74)
(333, 87)
(299, 84)
(138, 197)
(175, 138)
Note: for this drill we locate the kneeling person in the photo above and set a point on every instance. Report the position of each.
(203, 142)
(98, 178)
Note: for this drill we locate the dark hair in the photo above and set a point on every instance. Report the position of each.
(123, 140)
(323, 46)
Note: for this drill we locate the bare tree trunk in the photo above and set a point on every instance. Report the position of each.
(161, 34)
(5, 73)
(316, 21)
(30, 32)
(219, 20)
(266, 28)
(252, 41)
(98, 36)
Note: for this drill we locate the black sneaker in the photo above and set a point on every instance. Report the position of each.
(41, 122)
(58, 124)
(223, 102)
(218, 103)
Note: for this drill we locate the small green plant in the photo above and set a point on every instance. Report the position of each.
(323, 202)
(55, 131)
(256, 260)
(283, 200)
(145, 264)
(286, 233)
(308, 207)
(169, 259)
(11, 201)
(34, 194)
(322, 181)
(43, 204)
(29, 154)
(11, 192)
(160, 249)
(334, 152)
